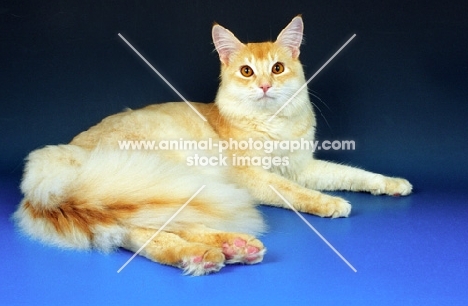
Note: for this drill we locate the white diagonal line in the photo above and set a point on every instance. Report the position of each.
(311, 78)
(162, 227)
(313, 228)
(162, 77)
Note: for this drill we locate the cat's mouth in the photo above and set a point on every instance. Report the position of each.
(266, 97)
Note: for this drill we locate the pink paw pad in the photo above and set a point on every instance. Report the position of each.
(197, 259)
(228, 251)
(197, 266)
(240, 242)
(252, 249)
(209, 265)
(206, 265)
(240, 251)
(252, 254)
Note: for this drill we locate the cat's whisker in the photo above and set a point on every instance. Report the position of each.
(318, 108)
(312, 93)
(321, 114)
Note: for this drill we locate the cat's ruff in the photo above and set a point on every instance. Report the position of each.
(89, 194)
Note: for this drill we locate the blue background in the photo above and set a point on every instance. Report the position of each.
(399, 89)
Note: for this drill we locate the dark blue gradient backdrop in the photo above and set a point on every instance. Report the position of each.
(399, 90)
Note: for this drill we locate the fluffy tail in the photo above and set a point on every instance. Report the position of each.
(78, 198)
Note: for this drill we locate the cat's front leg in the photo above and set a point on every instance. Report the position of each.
(323, 175)
(263, 184)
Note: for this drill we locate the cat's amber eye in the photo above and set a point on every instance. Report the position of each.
(277, 68)
(246, 71)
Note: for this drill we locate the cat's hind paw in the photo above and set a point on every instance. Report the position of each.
(212, 261)
(247, 251)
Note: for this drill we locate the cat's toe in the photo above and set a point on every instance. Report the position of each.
(244, 250)
(211, 261)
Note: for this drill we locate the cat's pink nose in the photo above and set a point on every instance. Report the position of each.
(265, 87)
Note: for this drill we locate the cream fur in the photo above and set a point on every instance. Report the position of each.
(89, 194)
(109, 175)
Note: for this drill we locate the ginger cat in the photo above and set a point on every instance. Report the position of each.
(92, 194)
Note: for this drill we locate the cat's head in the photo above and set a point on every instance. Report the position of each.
(260, 77)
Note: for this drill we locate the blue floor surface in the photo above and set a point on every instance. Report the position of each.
(407, 251)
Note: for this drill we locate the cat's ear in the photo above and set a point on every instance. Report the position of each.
(291, 36)
(225, 43)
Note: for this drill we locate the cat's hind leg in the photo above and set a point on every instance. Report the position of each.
(236, 247)
(171, 249)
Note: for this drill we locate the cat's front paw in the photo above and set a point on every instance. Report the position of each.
(340, 208)
(332, 207)
(392, 186)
